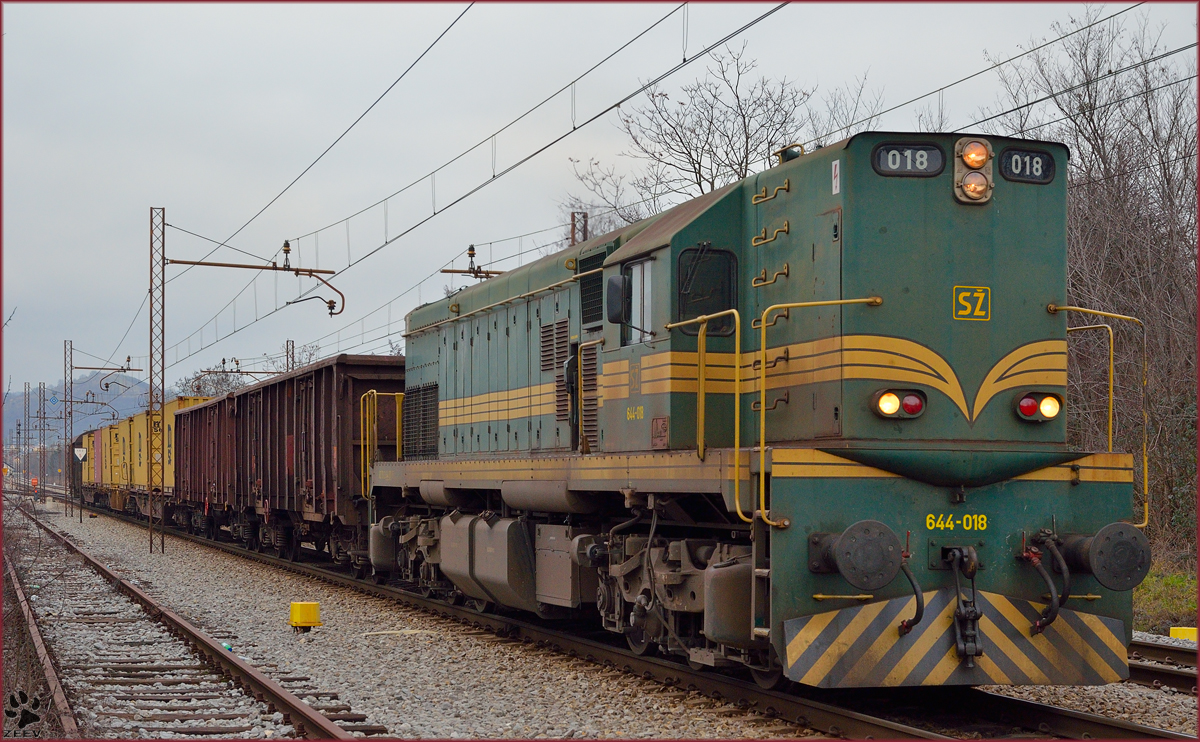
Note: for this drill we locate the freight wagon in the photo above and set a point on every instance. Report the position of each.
(278, 463)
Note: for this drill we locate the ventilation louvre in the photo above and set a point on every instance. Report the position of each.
(421, 422)
(591, 418)
(591, 289)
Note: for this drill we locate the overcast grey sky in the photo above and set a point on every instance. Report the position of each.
(210, 110)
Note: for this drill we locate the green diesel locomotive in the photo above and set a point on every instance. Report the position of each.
(811, 423)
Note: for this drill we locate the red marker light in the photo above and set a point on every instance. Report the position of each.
(1028, 406)
(912, 404)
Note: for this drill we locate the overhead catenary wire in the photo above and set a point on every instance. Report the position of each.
(431, 175)
(491, 137)
(298, 177)
(343, 134)
(499, 175)
(973, 75)
(1083, 84)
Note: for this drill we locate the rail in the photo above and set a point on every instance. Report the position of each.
(65, 716)
(309, 722)
(1110, 371)
(1055, 309)
(872, 301)
(368, 436)
(702, 380)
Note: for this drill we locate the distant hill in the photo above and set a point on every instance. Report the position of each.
(125, 396)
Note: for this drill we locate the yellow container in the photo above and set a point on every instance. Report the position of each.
(305, 615)
(1183, 632)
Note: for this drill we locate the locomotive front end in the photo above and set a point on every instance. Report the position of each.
(938, 528)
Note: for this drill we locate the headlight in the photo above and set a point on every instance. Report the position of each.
(973, 164)
(975, 155)
(1037, 407)
(975, 185)
(889, 403)
(898, 404)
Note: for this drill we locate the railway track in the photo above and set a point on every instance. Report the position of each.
(890, 714)
(132, 665)
(1158, 664)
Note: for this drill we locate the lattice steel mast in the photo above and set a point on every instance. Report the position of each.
(41, 434)
(158, 288)
(69, 428)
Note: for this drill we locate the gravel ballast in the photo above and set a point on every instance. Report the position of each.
(425, 678)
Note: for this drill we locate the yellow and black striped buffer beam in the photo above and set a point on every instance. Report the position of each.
(861, 646)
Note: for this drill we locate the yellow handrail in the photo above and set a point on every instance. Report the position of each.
(1110, 372)
(584, 446)
(701, 340)
(368, 436)
(873, 301)
(1054, 309)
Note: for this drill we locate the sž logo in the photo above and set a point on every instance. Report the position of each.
(22, 708)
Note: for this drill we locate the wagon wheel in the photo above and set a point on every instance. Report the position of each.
(359, 571)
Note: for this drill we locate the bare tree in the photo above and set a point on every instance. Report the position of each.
(717, 131)
(844, 112)
(214, 381)
(1131, 124)
(304, 355)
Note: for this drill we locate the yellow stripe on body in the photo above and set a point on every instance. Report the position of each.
(1037, 363)
(992, 670)
(809, 462)
(1025, 663)
(929, 634)
(885, 641)
(1085, 650)
(1099, 467)
(806, 635)
(1105, 634)
(944, 667)
(845, 638)
(1010, 650)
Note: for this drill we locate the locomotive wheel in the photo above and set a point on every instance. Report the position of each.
(640, 643)
(772, 679)
(480, 606)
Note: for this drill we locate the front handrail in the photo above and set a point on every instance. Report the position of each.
(1055, 309)
(1110, 372)
(702, 379)
(872, 301)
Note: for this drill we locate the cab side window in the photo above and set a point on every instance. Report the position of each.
(707, 285)
(640, 316)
